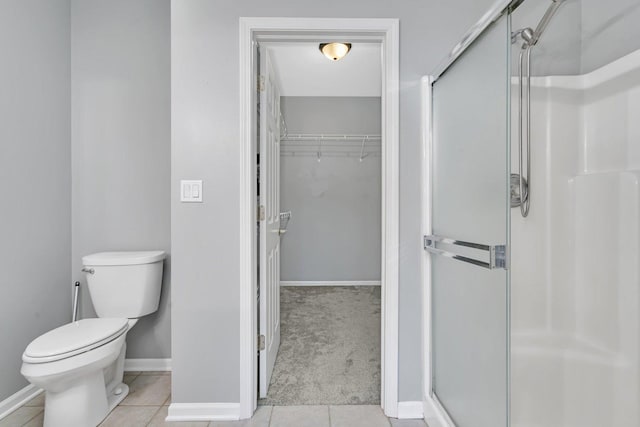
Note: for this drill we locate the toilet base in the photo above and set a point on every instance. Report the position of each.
(114, 399)
(88, 411)
(83, 405)
(80, 391)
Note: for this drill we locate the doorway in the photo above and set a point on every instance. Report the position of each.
(319, 240)
(261, 30)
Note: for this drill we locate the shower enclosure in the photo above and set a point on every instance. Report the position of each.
(532, 249)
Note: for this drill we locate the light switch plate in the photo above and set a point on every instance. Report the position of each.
(191, 191)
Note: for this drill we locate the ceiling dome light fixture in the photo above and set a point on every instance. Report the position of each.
(335, 51)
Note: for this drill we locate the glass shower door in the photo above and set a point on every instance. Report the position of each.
(470, 281)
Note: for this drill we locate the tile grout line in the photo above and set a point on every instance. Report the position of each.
(32, 418)
(329, 414)
(389, 424)
(139, 374)
(154, 414)
(139, 406)
(270, 415)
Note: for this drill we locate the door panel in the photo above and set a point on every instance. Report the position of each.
(470, 204)
(270, 222)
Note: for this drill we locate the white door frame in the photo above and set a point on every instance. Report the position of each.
(386, 32)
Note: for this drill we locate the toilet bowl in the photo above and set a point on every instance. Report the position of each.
(80, 365)
(70, 366)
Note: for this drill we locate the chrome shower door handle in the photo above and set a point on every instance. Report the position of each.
(497, 253)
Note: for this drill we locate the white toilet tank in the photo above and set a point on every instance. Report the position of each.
(124, 284)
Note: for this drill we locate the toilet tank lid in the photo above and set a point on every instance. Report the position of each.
(123, 258)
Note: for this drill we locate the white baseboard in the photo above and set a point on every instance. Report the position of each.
(410, 410)
(331, 283)
(147, 364)
(203, 412)
(433, 422)
(434, 415)
(18, 399)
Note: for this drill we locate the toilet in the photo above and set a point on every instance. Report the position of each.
(80, 365)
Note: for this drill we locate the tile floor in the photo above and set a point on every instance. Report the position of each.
(150, 394)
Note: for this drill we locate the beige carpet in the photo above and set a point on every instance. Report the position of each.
(329, 348)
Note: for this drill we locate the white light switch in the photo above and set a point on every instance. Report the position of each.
(191, 191)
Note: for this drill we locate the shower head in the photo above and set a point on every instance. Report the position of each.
(544, 22)
(531, 36)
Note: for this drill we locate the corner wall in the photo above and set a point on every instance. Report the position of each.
(120, 110)
(35, 179)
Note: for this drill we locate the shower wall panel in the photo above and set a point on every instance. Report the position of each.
(575, 271)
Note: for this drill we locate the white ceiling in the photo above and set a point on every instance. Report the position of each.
(304, 71)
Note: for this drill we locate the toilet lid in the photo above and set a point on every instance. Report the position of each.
(74, 338)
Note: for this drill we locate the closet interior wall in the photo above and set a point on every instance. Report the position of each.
(334, 194)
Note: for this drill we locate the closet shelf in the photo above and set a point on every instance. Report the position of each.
(330, 145)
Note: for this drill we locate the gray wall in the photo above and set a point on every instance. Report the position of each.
(558, 50)
(205, 134)
(584, 34)
(35, 184)
(335, 232)
(332, 114)
(610, 30)
(120, 110)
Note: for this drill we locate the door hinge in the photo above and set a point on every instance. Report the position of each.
(261, 342)
(261, 213)
(260, 83)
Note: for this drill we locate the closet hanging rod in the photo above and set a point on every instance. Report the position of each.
(327, 154)
(328, 137)
(330, 143)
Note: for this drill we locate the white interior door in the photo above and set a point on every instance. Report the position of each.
(269, 219)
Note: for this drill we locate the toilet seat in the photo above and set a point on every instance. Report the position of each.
(74, 338)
